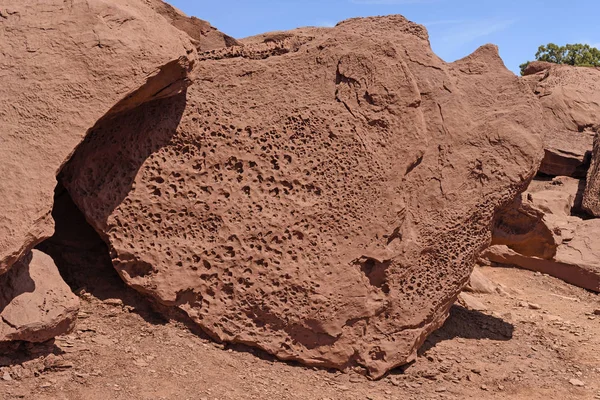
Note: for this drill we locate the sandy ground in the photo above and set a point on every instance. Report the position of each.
(538, 339)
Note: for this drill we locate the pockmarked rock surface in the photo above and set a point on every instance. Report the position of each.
(321, 194)
(65, 65)
(539, 232)
(35, 303)
(591, 195)
(570, 97)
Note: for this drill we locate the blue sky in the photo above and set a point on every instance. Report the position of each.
(456, 27)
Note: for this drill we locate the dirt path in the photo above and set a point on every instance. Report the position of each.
(538, 339)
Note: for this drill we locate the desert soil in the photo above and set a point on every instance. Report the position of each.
(538, 339)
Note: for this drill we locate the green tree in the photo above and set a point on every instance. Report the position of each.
(571, 54)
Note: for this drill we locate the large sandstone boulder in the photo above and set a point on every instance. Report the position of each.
(538, 232)
(35, 304)
(323, 194)
(65, 65)
(591, 196)
(570, 97)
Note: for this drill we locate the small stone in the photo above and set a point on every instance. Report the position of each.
(476, 371)
(576, 382)
(114, 302)
(483, 387)
(471, 302)
(394, 381)
(597, 312)
(534, 306)
(140, 363)
(6, 376)
(440, 390)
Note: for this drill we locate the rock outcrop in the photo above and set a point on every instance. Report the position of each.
(65, 65)
(35, 304)
(202, 33)
(547, 229)
(591, 196)
(322, 194)
(537, 66)
(571, 100)
(539, 233)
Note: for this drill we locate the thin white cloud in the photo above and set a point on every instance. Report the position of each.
(470, 31)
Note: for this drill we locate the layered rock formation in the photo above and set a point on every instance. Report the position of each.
(571, 100)
(65, 65)
(539, 233)
(322, 194)
(548, 229)
(35, 304)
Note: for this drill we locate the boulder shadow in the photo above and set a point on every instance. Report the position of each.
(18, 353)
(469, 324)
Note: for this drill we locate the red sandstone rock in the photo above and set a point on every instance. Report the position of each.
(535, 67)
(64, 66)
(204, 36)
(471, 302)
(479, 283)
(321, 194)
(539, 233)
(579, 272)
(35, 304)
(591, 196)
(570, 97)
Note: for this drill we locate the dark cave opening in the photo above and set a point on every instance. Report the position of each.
(84, 262)
(80, 254)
